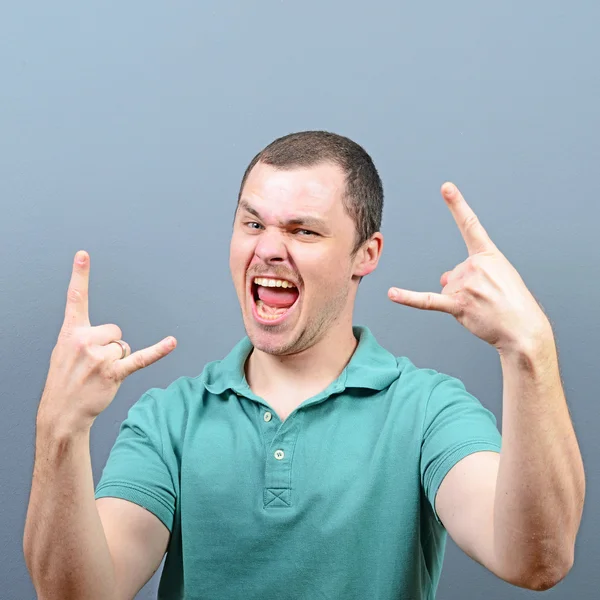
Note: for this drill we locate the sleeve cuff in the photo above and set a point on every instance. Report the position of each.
(144, 498)
(453, 457)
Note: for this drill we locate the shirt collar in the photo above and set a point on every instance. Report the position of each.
(370, 367)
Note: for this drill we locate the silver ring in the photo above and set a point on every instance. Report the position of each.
(123, 347)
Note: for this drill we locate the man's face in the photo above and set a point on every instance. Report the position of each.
(291, 225)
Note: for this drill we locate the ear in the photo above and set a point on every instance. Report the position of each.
(368, 255)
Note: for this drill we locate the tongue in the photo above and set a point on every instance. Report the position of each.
(277, 297)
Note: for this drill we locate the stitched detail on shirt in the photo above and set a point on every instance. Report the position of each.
(476, 445)
(443, 377)
(162, 445)
(277, 497)
(137, 488)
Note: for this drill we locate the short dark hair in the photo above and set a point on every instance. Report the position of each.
(363, 200)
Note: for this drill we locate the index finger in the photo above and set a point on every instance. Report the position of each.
(471, 229)
(77, 310)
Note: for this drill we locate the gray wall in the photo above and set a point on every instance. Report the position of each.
(125, 128)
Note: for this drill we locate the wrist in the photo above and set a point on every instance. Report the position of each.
(530, 351)
(61, 427)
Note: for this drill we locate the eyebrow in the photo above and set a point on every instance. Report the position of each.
(304, 221)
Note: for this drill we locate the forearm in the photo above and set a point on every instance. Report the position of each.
(541, 484)
(64, 543)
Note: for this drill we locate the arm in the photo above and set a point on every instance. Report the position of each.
(74, 546)
(518, 513)
(520, 516)
(72, 550)
(64, 544)
(137, 541)
(541, 481)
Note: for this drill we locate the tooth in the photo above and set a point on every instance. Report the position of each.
(273, 282)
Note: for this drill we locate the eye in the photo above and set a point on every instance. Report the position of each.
(306, 232)
(250, 224)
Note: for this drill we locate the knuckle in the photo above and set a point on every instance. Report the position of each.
(461, 304)
(474, 264)
(471, 221)
(140, 361)
(73, 338)
(65, 333)
(474, 289)
(113, 375)
(429, 300)
(94, 357)
(80, 342)
(451, 276)
(75, 295)
(114, 331)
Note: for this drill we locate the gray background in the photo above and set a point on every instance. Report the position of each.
(125, 129)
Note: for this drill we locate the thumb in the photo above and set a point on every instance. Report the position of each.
(422, 300)
(145, 357)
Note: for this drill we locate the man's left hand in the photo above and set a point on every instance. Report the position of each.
(485, 293)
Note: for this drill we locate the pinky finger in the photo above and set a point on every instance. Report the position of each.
(145, 357)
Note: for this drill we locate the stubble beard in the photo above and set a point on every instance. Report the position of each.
(314, 330)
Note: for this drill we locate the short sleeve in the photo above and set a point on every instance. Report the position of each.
(456, 424)
(136, 469)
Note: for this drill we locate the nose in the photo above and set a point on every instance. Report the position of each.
(270, 247)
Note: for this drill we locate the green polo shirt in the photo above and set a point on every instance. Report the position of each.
(334, 503)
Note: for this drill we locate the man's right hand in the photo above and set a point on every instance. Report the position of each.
(86, 369)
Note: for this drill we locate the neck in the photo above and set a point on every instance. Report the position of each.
(309, 371)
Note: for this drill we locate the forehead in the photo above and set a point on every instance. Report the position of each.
(317, 189)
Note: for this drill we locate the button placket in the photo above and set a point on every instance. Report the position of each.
(269, 427)
(278, 465)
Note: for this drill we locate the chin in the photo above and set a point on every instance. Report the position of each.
(270, 341)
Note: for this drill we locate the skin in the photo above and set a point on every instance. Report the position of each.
(316, 341)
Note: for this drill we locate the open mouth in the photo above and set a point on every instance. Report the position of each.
(273, 299)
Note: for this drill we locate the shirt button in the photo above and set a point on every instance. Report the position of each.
(279, 454)
(267, 416)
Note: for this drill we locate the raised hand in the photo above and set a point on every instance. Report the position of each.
(86, 368)
(485, 293)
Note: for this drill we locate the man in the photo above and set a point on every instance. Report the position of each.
(310, 462)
